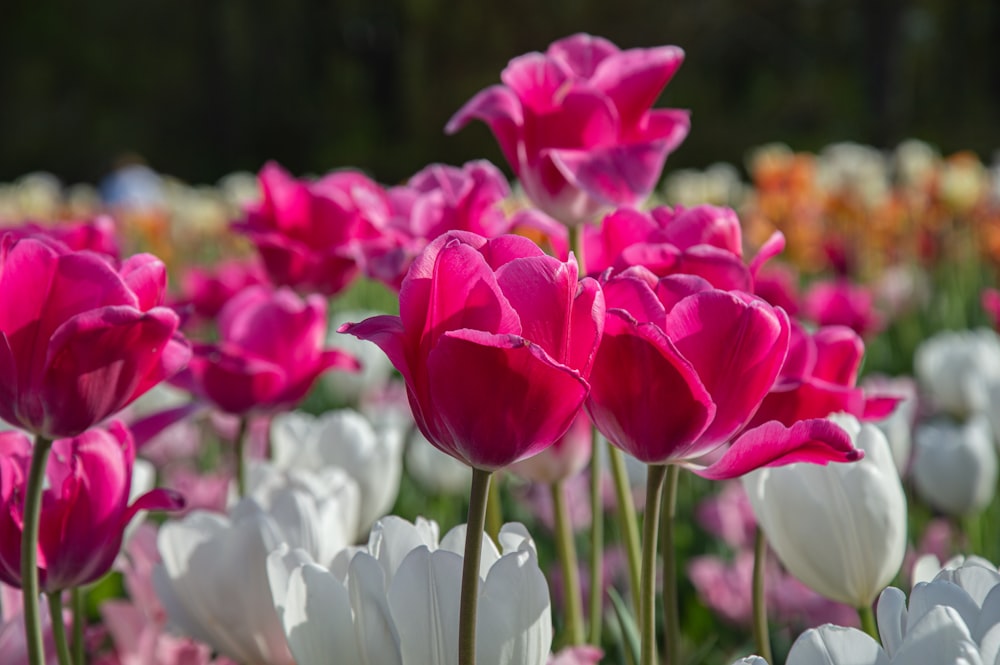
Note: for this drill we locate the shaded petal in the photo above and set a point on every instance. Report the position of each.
(514, 624)
(424, 599)
(834, 645)
(495, 399)
(634, 78)
(645, 397)
(499, 107)
(317, 618)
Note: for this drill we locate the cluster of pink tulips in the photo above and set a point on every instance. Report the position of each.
(528, 331)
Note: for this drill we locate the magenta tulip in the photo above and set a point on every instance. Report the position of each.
(704, 240)
(97, 235)
(819, 377)
(841, 303)
(495, 341)
(85, 505)
(683, 367)
(439, 198)
(79, 340)
(308, 234)
(269, 354)
(576, 124)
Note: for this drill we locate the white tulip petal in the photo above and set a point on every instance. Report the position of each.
(424, 599)
(834, 645)
(373, 624)
(454, 541)
(751, 660)
(939, 636)
(513, 535)
(925, 597)
(317, 618)
(280, 565)
(514, 623)
(892, 618)
(393, 538)
(989, 615)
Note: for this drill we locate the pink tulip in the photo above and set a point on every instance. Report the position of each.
(576, 124)
(990, 300)
(206, 291)
(683, 367)
(778, 285)
(704, 240)
(819, 377)
(13, 647)
(581, 655)
(309, 233)
(79, 340)
(495, 341)
(84, 505)
(841, 303)
(97, 235)
(269, 354)
(437, 199)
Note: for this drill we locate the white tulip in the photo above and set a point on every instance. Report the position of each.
(955, 465)
(397, 603)
(938, 638)
(344, 439)
(956, 368)
(968, 587)
(213, 579)
(840, 528)
(350, 387)
(435, 471)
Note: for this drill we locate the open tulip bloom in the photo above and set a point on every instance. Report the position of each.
(576, 124)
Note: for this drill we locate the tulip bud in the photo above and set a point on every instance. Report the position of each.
(955, 465)
(840, 529)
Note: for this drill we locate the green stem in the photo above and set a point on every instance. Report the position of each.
(566, 549)
(575, 238)
(478, 498)
(647, 595)
(59, 627)
(668, 550)
(627, 520)
(79, 622)
(241, 463)
(494, 511)
(760, 632)
(29, 551)
(868, 622)
(596, 550)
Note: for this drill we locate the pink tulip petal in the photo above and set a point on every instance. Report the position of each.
(645, 397)
(674, 288)
(501, 110)
(839, 351)
(523, 400)
(146, 276)
(234, 382)
(811, 399)
(615, 175)
(701, 225)
(581, 53)
(817, 441)
(157, 499)
(145, 429)
(99, 361)
(773, 246)
(634, 79)
(632, 293)
(719, 267)
(538, 82)
(541, 291)
(737, 347)
(387, 333)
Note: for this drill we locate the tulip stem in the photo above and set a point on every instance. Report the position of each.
(627, 520)
(478, 498)
(566, 549)
(671, 613)
(29, 551)
(241, 464)
(760, 631)
(655, 477)
(79, 621)
(494, 511)
(868, 622)
(596, 550)
(59, 627)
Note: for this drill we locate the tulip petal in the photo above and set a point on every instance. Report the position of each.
(501, 110)
(940, 636)
(146, 276)
(834, 645)
(617, 175)
(424, 599)
(523, 398)
(514, 624)
(736, 346)
(373, 624)
(892, 619)
(818, 441)
(645, 397)
(317, 618)
(633, 79)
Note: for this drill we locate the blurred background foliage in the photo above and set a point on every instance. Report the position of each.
(200, 89)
